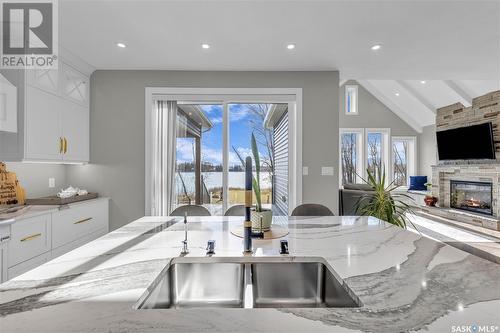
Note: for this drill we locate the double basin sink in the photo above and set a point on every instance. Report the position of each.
(276, 282)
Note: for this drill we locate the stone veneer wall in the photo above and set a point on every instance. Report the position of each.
(488, 173)
(484, 109)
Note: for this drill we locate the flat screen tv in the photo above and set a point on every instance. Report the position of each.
(466, 143)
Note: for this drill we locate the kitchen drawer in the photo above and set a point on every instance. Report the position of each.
(29, 238)
(78, 221)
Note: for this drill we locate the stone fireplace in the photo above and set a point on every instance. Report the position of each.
(468, 193)
(469, 190)
(470, 196)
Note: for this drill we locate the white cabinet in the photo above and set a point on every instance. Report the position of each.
(35, 240)
(4, 239)
(30, 238)
(75, 132)
(43, 126)
(56, 117)
(74, 85)
(70, 224)
(8, 105)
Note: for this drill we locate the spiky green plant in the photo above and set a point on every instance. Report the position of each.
(384, 203)
(255, 180)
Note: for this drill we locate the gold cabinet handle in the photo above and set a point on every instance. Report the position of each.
(25, 239)
(65, 145)
(82, 221)
(61, 144)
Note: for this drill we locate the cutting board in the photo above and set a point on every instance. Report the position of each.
(11, 192)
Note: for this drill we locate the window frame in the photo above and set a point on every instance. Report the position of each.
(385, 150)
(346, 94)
(292, 96)
(360, 167)
(412, 158)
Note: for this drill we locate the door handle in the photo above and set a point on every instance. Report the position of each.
(61, 144)
(82, 221)
(65, 145)
(30, 237)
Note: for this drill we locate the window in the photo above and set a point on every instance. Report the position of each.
(351, 100)
(351, 155)
(403, 159)
(377, 150)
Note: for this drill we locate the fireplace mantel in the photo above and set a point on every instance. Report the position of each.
(442, 174)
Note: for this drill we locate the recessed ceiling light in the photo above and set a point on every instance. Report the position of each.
(423, 82)
(205, 46)
(290, 46)
(121, 45)
(376, 47)
(397, 94)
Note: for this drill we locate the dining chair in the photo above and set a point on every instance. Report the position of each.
(236, 210)
(191, 210)
(312, 210)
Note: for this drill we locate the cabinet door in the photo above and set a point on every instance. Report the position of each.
(75, 85)
(75, 132)
(78, 221)
(44, 79)
(8, 105)
(43, 125)
(30, 238)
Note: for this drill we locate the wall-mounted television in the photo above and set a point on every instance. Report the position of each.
(466, 143)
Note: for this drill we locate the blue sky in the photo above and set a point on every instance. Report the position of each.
(240, 133)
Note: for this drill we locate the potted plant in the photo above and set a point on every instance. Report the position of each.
(384, 202)
(430, 200)
(261, 218)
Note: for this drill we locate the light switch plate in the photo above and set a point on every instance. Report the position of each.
(52, 182)
(305, 171)
(327, 171)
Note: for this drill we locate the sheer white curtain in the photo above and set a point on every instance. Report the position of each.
(164, 149)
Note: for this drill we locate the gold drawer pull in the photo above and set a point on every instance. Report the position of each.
(82, 221)
(25, 239)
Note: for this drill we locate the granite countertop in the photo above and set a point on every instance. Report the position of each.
(406, 282)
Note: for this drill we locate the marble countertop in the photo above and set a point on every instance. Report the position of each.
(36, 210)
(406, 282)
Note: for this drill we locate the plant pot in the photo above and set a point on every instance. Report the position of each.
(430, 200)
(266, 216)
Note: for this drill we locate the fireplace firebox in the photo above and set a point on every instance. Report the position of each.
(475, 197)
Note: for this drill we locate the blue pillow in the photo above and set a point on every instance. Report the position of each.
(417, 183)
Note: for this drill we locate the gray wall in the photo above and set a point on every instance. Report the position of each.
(372, 114)
(427, 151)
(117, 131)
(34, 177)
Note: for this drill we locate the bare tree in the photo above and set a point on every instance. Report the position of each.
(400, 164)
(374, 158)
(348, 156)
(263, 136)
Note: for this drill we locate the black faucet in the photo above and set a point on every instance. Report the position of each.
(247, 225)
(284, 247)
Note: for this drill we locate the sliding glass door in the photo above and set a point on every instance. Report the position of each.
(198, 179)
(212, 139)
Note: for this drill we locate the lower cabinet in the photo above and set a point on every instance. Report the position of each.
(35, 240)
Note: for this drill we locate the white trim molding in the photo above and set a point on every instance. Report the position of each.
(224, 96)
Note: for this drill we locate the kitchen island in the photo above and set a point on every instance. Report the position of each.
(405, 282)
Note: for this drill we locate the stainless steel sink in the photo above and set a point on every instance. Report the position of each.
(187, 285)
(298, 285)
(278, 282)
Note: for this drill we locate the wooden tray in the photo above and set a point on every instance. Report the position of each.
(54, 200)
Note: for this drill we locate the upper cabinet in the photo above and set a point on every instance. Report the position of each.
(8, 105)
(55, 122)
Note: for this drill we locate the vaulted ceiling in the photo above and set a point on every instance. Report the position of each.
(416, 101)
